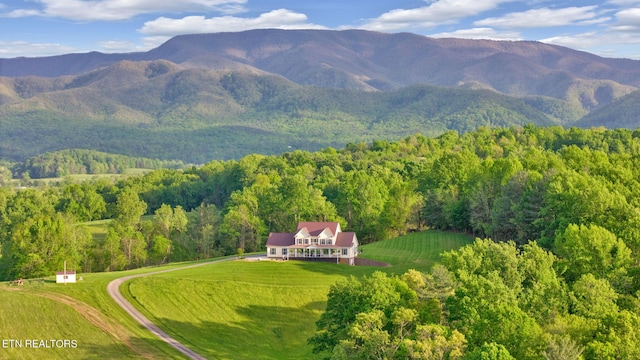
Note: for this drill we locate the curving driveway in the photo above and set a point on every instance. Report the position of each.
(113, 289)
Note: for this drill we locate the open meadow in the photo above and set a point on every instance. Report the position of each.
(43, 310)
(419, 250)
(29, 317)
(232, 310)
(266, 309)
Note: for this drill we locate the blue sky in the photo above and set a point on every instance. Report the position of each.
(609, 28)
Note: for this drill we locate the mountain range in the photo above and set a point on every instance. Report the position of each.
(271, 90)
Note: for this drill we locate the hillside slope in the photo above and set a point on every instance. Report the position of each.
(159, 109)
(622, 113)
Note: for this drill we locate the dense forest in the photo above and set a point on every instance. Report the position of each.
(197, 115)
(561, 207)
(78, 161)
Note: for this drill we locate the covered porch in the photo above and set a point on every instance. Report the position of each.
(313, 252)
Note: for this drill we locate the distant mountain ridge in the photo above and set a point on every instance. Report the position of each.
(158, 109)
(365, 60)
(225, 95)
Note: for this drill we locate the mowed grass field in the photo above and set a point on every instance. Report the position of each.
(44, 310)
(266, 309)
(27, 318)
(228, 310)
(418, 250)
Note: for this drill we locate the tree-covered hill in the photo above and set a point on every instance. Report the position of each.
(559, 209)
(622, 113)
(77, 161)
(161, 110)
(366, 60)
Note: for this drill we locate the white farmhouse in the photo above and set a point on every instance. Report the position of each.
(316, 240)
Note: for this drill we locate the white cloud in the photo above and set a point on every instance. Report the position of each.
(280, 19)
(544, 17)
(117, 46)
(602, 43)
(628, 20)
(112, 10)
(624, 2)
(150, 42)
(438, 12)
(479, 33)
(11, 49)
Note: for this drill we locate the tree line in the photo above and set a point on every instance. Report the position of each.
(559, 278)
(519, 183)
(557, 275)
(80, 161)
(493, 301)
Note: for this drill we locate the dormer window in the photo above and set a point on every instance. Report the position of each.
(306, 241)
(329, 242)
(322, 241)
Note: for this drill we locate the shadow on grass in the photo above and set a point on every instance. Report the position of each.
(340, 269)
(265, 332)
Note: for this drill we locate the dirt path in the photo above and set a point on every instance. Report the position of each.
(113, 288)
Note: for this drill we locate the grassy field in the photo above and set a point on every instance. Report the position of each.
(83, 311)
(240, 309)
(230, 310)
(414, 251)
(220, 310)
(79, 178)
(29, 316)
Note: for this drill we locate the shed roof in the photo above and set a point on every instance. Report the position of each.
(69, 272)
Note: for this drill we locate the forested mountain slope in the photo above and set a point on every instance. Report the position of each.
(161, 110)
(622, 113)
(356, 59)
(225, 95)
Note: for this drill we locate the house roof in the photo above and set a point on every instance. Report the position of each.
(343, 239)
(315, 228)
(281, 239)
(69, 272)
(346, 239)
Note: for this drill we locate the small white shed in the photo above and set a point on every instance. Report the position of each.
(63, 277)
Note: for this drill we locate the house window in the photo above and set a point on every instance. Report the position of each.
(322, 241)
(329, 242)
(273, 251)
(284, 252)
(315, 241)
(299, 241)
(306, 241)
(345, 251)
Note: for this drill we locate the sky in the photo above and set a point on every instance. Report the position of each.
(609, 28)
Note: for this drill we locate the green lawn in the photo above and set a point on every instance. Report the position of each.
(40, 309)
(414, 251)
(229, 310)
(27, 317)
(266, 309)
(241, 309)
